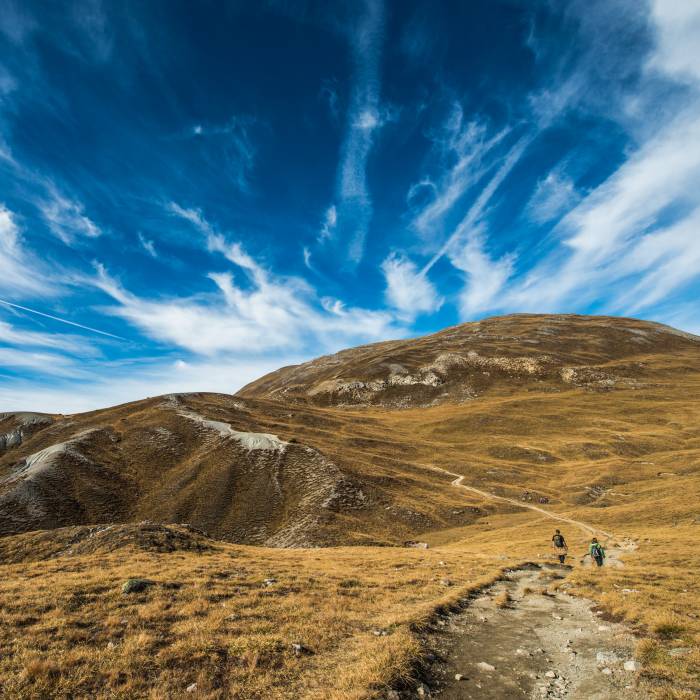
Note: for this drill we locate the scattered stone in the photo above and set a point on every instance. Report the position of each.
(550, 674)
(392, 695)
(416, 545)
(111, 645)
(539, 651)
(445, 582)
(382, 633)
(522, 652)
(191, 688)
(269, 582)
(458, 676)
(679, 651)
(607, 658)
(603, 628)
(300, 649)
(422, 691)
(631, 665)
(483, 666)
(606, 671)
(136, 585)
(557, 617)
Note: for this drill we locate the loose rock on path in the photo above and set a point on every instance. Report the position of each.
(537, 646)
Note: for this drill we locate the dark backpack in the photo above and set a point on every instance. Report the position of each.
(597, 551)
(558, 540)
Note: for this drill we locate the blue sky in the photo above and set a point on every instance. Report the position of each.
(192, 194)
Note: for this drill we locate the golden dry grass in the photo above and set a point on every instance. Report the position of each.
(210, 619)
(626, 461)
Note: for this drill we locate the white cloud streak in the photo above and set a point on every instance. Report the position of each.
(364, 118)
(148, 245)
(20, 272)
(407, 290)
(59, 319)
(266, 313)
(330, 221)
(10, 335)
(633, 241)
(110, 383)
(66, 218)
(469, 145)
(554, 195)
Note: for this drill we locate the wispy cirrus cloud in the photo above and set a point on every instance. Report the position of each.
(330, 221)
(467, 146)
(364, 117)
(148, 245)
(610, 235)
(554, 195)
(20, 337)
(632, 241)
(21, 273)
(268, 313)
(67, 218)
(407, 290)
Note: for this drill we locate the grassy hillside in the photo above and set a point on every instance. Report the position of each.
(615, 444)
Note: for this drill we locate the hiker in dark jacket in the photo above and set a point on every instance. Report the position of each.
(595, 549)
(560, 546)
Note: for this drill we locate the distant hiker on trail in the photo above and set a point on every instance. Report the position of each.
(560, 546)
(596, 551)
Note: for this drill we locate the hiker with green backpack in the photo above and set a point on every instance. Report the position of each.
(595, 549)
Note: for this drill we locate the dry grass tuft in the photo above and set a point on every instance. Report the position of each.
(668, 625)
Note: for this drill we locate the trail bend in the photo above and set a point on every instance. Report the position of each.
(458, 483)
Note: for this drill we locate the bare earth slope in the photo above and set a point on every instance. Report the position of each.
(506, 429)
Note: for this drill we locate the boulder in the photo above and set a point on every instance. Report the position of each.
(136, 585)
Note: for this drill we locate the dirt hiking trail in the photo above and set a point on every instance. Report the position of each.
(523, 637)
(458, 483)
(518, 640)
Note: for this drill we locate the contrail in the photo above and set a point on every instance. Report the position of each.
(482, 200)
(60, 320)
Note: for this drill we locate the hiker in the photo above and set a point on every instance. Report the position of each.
(560, 546)
(596, 551)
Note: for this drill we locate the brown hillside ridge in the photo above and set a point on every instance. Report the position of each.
(254, 546)
(550, 352)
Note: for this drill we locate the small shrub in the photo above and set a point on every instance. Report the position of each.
(350, 583)
(668, 626)
(646, 651)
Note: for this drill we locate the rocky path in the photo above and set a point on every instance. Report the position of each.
(459, 483)
(519, 640)
(525, 638)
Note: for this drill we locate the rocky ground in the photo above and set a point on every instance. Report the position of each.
(523, 638)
